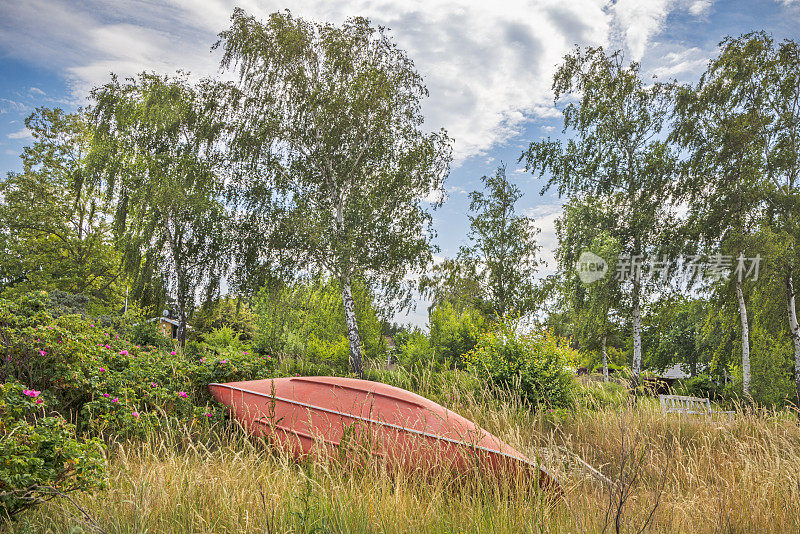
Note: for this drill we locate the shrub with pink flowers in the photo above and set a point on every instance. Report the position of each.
(41, 454)
(98, 378)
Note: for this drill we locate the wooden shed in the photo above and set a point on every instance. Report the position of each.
(166, 327)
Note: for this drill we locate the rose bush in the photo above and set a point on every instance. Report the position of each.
(41, 456)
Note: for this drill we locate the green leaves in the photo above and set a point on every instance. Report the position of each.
(503, 246)
(536, 364)
(163, 164)
(332, 164)
(41, 457)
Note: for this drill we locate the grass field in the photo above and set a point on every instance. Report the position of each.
(667, 474)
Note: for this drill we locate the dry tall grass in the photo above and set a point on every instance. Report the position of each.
(668, 474)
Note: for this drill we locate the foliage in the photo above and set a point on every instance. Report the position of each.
(40, 456)
(156, 141)
(673, 334)
(57, 238)
(617, 153)
(414, 349)
(457, 282)
(229, 311)
(107, 384)
(537, 363)
(503, 246)
(453, 333)
(307, 319)
(334, 161)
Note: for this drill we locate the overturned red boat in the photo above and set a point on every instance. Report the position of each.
(304, 414)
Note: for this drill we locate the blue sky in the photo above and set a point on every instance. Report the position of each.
(488, 65)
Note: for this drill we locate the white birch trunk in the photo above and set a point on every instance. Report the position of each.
(355, 364)
(637, 334)
(605, 360)
(794, 329)
(745, 340)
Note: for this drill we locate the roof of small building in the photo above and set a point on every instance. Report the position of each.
(165, 319)
(675, 372)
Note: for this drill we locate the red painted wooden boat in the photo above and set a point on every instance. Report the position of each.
(304, 414)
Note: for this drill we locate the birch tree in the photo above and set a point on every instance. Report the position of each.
(722, 122)
(586, 226)
(615, 151)
(764, 78)
(335, 166)
(156, 145)
(502, 249)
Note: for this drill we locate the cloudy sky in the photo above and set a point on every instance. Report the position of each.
(488, 65)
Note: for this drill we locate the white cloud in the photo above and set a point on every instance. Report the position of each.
(545, 216)
(637, 22)
(685, 63)
(700, 7)
(36, 91)
(21, 134)
(7, 105)
(488, 66)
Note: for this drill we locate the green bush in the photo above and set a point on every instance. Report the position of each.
(146, 333)
(454, 333)
(414, 350)
(41, 457)
(107, 384)
(537, 361)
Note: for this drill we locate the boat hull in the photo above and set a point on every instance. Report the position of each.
(351, 417)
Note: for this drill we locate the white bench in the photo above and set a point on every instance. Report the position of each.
(688, 405)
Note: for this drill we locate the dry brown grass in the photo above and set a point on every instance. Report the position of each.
(738, 475)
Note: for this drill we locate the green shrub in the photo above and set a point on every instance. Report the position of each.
(145, 333)
(335, 354)
(415, 350)
(222, 339)
(537, 361)
(701, 385)
(41, 457)
(107, 384)
(454, 333)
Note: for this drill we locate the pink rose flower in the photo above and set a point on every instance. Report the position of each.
(42, 353)
(153, 385)
(107, 346)
(172, 353)
(106, 395)
(202, 360)
(123, 353)
(39, 401)
(102, 369)
(245, 352)
(183, 394)
(135, 415)
(223, 361)
(31, 393)
(115, 399)
(208, 415)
